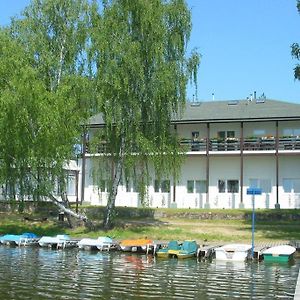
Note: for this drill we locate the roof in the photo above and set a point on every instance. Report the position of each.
(230, 111)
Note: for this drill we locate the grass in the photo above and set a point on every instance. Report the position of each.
(163, 229)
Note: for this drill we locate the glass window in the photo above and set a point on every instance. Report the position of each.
(221, 134)
(264, 184)
(230, 134)
(156, 186)
(195, 135)
(165, 186)
(232, 186)
(190, 186)
(71, 185)
(221, 186)
(291, 131)
(259, 132)
(200, 186)
(254, 183)
(287, 185)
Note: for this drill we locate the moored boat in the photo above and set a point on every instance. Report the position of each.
(102, 243)
(164, 252)
(233, 252)
(281, 253)
(26, 238)
(138, 245)
(59, 241)
(186, 250)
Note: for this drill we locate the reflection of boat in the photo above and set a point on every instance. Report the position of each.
(59, 241)
(281, 253)
(164, 252)
(233, 252)
(186, 250)
(24, 239)
(138, 245)
(101, 243)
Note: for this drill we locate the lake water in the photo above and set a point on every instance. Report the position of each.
(35, 273)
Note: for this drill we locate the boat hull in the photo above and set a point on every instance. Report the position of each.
(233, 252)
(277, 258)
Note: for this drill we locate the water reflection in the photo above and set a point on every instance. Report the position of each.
(34, 273)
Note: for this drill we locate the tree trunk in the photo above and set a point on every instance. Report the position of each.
(110, 207)
(88, 223)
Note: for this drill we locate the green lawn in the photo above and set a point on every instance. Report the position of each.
(163, 229)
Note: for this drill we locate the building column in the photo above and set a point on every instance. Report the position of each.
(173, 204)
(241, 205)
(206, 205)
(84, 141)
(277, 205)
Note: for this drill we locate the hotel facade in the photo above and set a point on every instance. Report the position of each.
(230, 146)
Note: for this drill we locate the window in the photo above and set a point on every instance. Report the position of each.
(195, 135)
(196, 186)
(232, 186)
(162, 186)
(221, 186)
(291, 131)
(71, 185)
(259, 132)
(291, 185)
(221, 134)
(190, 186)
(156, 186)
(226, 134)
(230, 134)
(229, 186)
(264, 184)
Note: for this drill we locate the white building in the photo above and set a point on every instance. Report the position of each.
(231, 146)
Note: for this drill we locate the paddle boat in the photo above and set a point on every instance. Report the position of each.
(138, 245)
(186, 250)
(24, 239)
(164, 252)
(281, 253)
(102, 243)
(59, 241)
(233, 252)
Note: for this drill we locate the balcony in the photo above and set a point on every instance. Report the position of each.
(249, 144)
(229, 144)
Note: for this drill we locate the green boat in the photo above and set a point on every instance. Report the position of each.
(281, 253)
(164, 252)
(187, 250)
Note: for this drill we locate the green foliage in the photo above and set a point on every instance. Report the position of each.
(44, 92)
(295, 51)
(141, 74)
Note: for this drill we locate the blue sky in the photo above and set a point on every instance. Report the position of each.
(245, 46)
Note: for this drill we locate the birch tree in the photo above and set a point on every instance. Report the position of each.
(44, 96)
(141, 71)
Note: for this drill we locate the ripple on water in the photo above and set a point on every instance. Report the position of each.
(35, 273)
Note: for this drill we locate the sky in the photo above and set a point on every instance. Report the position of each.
(245, 46)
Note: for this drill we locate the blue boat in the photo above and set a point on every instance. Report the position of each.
(26, 238)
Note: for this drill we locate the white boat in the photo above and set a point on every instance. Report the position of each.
(24, 239)
(233, 252)
(102, 243)
(281, 253)
(59, 241)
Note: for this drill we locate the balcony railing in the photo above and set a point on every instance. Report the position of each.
(229, 144)
(249, 144)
